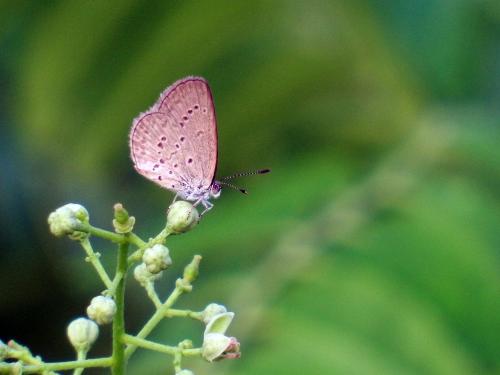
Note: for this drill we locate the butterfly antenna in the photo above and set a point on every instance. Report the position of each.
(244, 191)
(242, 174)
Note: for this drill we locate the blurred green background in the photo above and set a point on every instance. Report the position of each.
(372, 248)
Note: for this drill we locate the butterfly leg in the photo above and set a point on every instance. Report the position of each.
(175, 198)
(208, 206)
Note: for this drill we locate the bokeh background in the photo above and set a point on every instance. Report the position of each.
(372, 248)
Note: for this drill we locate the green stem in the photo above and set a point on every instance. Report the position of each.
(146, 344)
(167, 349)
(170, 313)
(150, 290)
(107, 235)
(93, 258)
(81, 355)
(118, 366)
(5, 368)
(136, 240)
(117, 237)
(155, 319)
(177, 362)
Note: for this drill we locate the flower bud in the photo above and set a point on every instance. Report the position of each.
(192, 270)
(101, 309)
(143, 276)
(69, 219)
(181, 217)
(185, 372)
(123, 223)
(211, 310)
(82, 333)
(157, 258)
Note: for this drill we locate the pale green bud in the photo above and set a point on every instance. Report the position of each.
(143, 276)
(101, 309)
(123, 223)
(82, 333)
(181, 217)
(185, 372)
(69, 219)
(192, 270)
(157, 258)
(186, 344)
(211, 310)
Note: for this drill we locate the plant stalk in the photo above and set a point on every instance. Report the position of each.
(119, 360)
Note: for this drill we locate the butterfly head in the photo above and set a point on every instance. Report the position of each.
(215, 189)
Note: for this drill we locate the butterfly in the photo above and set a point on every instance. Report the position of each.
(174, 143)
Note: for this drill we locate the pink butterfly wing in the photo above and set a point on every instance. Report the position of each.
(174, 143)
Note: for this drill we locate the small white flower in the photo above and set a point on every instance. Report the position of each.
(157, 258)
(68, 219)
(143, 276)
(101, 309)
(211, 310)
(82, 333)
(216, 345)
(181, 217)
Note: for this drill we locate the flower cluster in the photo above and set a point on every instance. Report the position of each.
(152, 259)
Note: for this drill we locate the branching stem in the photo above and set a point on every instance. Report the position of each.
(93, 258)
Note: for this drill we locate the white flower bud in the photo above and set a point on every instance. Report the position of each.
(157, 258)
(211, 310)
(181, 217)
(82, 333)
(101, 309)
(143, 276)
(68, 219)
(185, 372)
